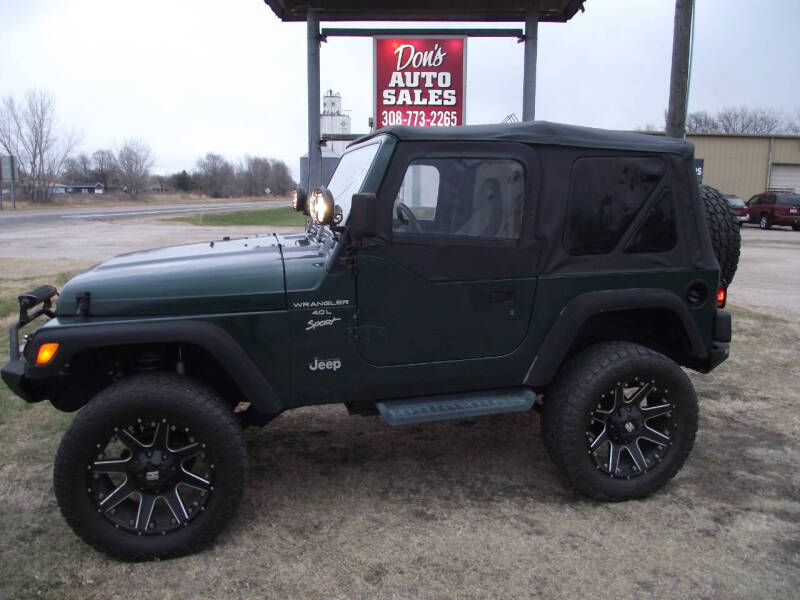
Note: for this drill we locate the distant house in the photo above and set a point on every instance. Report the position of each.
(83, 188)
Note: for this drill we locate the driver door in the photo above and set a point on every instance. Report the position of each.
(455, 281)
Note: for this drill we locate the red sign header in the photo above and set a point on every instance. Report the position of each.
(420, 82)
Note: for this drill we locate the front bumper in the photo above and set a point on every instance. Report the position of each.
(13, 374)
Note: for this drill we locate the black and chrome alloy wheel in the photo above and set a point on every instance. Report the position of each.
(619, 420)
(630, 429)
(153, 467)
(152, 477)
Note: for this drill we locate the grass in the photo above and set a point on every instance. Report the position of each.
(267, 217)
(346, 507)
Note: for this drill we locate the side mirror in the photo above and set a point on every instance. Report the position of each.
(363, 216)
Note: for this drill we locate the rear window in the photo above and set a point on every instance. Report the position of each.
(790, 199)
(736, 202)
(658, 232)
(605, 196)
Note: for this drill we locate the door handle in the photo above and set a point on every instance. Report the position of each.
(501, 297)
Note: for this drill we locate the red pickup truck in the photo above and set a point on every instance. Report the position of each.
(775, 208)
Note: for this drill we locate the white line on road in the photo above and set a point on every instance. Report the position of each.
(164, 211)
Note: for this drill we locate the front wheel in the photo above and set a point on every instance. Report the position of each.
(764, 222)
(153, 467)
(619, 421)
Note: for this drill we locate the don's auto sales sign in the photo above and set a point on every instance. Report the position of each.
(421, 81)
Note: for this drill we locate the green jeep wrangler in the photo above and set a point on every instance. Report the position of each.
(443, 274)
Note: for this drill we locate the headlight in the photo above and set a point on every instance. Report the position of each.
(320, 206)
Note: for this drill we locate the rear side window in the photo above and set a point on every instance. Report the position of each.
(657, 233)
(470, 197)
(605, 196)
(789, 199)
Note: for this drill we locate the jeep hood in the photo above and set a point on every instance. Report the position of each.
(212, 277)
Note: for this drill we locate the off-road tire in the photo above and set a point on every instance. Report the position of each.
(573, 395)
(178, 399)
(725, 231)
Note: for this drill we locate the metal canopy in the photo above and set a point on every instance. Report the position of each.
(557, 11)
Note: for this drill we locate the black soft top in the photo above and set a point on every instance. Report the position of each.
(542, 132)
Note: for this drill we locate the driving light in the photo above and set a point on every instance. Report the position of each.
(299, 200)
(320, 206)
(46, 353)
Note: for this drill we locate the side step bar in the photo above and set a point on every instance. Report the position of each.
(456, 406)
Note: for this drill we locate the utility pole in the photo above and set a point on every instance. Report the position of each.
(679, 76)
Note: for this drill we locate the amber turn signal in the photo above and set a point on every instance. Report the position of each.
(46, 353)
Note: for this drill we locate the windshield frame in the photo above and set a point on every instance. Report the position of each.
(342, 200)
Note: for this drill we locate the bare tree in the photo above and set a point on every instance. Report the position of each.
(28, 130)
(216, 176)
(701, 122)
(78, 169)
(254, 176)
(105, 167)
(793, 122)
(282, 181)
(749, 120)
(134, 162)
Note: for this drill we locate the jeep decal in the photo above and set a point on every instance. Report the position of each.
(327, 364)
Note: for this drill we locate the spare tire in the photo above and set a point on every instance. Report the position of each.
(726, 238)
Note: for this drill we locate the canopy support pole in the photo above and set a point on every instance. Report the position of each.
(529, 68)
(314, 138)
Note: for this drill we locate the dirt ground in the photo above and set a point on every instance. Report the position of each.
(347, 507)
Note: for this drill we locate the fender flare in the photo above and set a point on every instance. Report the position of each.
(578, 310)
(213, 339)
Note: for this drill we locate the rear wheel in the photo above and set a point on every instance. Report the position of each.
(619, 421)
(795, 226)
(153, 467)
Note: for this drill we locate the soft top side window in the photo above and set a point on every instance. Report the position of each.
(458, 196)
(606, 194)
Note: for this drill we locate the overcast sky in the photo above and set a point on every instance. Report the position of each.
(192, 76)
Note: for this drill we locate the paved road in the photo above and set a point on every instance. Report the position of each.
(769, 271)
(21, 219)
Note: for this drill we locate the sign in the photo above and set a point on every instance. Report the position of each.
(421, 81)
(7, 168)
(699, 163)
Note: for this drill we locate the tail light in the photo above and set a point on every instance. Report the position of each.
(722, 296)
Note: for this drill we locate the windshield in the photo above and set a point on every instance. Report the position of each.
(349, 176)
(790, 199)
(736, 202)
